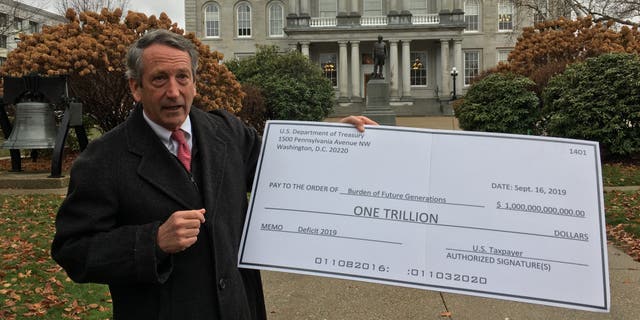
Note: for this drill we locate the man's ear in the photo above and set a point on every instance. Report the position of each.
(135, 90)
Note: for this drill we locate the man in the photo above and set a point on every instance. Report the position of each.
(379, 54)
(158, 218)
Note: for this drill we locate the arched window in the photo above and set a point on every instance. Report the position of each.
(212, 20)
(541, 13)
(505, 15)
(276, 20)
(244, 20)
(472, 15)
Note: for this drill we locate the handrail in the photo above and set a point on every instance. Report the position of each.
(373, 21)
(425, 18)
(323, 22)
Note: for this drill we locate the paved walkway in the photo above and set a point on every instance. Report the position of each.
(292, 296)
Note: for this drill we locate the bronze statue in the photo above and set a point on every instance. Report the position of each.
(379, 54)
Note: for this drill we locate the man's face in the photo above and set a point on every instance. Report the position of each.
(168, 86)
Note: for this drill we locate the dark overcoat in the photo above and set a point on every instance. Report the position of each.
(125, 184)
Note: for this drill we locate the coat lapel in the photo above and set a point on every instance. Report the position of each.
(157, 166)
(213, 159)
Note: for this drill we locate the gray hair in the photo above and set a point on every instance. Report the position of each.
(158, 36)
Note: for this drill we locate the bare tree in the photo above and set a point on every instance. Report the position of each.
(17, 17)
(90, 5)
(547, 9)
(620, 11)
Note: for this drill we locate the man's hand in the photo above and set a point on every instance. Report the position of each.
(358, 121)
(180, 231)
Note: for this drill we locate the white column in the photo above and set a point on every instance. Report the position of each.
(343, 70)
(342, 6)
(393, 5)
(354, 6)
(406, 67)
(457, 62)
(445, 5)
(445, 77)
(304, 7)
(293, 7)
(355, 69)
(393, 68)
(304, 48)
(405, 5)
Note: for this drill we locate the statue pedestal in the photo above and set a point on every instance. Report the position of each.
(377, 105)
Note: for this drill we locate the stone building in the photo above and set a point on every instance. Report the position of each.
(425, 40)
(17, 17)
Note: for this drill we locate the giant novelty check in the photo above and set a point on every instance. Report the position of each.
(503, 216)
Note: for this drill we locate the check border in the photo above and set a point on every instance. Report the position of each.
(601, 235)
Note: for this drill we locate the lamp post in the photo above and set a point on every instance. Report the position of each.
(454, 74)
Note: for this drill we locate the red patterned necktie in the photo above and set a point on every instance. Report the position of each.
(184, 154)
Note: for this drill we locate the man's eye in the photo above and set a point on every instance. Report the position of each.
(158, 80)
(183, 77)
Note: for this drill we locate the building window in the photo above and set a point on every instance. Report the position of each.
(17, 23)
(418, 72)
(243, 55)
(418, 7)
(276, 20)
(244, 20)
(538, 17)
(472, 15)
(541, 13)
(503, 55)
(3, 41)
(471, 66)
(34, 27)
(212, 21)
(329, 67)
(372, 8)
(505, 15)
(328, 8)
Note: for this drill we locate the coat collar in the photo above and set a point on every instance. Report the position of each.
(158, 167)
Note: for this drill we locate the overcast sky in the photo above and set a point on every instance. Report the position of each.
(173, 8)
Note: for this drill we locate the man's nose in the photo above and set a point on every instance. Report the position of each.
(173, 88)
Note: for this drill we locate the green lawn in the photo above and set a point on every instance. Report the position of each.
(31, 284)
(620, 174)
(3, 152)
(623, 215)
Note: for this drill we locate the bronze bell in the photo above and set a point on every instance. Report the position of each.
(33, 128)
